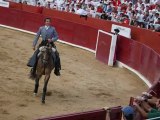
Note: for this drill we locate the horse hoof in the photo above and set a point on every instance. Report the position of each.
(43, 102)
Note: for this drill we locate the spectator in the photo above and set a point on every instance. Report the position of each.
(156, 18)
(104, 16)
(140, 19)
(25, 2)
(128, 113)
(157, 25)
(109, 8)
(72, 10)
(67, 8)
(38, 4)
(81, 11)
(48, 5)
(92, 12)
(116, 3)
(149, 107)
(99, 9)
(126, 20)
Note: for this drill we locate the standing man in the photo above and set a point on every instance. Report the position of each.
(48, 34)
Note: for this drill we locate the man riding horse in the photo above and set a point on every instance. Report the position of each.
(49, 35)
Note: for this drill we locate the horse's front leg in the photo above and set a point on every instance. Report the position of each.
(45, 87)
(36, 85)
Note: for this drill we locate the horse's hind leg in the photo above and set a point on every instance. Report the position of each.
(36, 84)
(45, 87)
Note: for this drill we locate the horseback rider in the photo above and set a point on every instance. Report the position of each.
(49, 35)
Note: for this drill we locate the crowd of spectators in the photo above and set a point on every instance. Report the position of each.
(140, 13)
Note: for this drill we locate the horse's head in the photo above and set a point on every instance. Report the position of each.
(45, 54)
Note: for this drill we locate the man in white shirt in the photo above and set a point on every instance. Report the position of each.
(81, 11)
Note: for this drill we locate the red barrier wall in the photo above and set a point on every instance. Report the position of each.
(15, 5)
(32, 9)
(23, 20)
(139, 57)
(76, 33)
(130, 52)
(90, 115)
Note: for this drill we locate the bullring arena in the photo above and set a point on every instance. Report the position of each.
(85, 83)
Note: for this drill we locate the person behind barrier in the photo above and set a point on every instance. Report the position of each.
(116, 31)
(149, 107)
(48, 34)
(128, 113)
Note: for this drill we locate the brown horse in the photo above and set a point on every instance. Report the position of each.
(45, 65)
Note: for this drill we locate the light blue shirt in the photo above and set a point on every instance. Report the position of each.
(49, 33)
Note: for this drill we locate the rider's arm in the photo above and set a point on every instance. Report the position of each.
(55, 35)
(37, 37)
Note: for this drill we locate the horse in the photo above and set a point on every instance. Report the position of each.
(45, 65)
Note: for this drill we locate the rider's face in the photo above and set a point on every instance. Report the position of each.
(47, 22)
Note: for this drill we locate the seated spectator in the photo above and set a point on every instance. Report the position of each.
(38, 4)
(126, 20)
(81, 11)
(91, 11)
(116, 3)
(59, 4)
(157, 25)
(104, 16)
(48, 5)
(124, 7)
(120, 17)
(109, 8)
(156, 18)
(151, 16)
(67, 9)
(149, 106)
(99, 9)
(72, 10)
(133, 18)
(25, 2)
(147, 8)
(128, 113)
(114, 16)
(140, 19)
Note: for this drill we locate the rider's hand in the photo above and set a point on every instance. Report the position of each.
(49, 40)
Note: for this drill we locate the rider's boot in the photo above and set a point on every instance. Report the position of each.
(57, 65)
(33, 63)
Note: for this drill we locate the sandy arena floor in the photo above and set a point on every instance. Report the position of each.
(85, 84)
